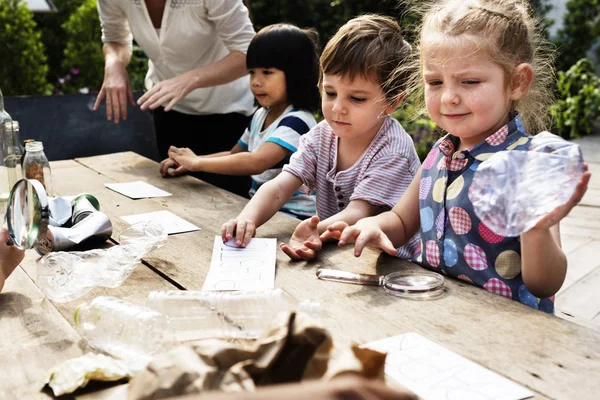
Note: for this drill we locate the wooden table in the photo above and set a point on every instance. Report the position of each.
(555, 358)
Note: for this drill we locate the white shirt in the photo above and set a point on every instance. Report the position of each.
(193, 33)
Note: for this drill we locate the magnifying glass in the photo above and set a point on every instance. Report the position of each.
(28, 214)
(410, 285)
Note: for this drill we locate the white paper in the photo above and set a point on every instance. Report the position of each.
(434, 372)
(170, 222)
(242, 268)
(137, 189)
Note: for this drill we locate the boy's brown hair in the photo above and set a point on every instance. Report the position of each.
(369, 46)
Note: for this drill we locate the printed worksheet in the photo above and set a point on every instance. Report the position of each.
(137, 190)
(242, 268)
(435, 373)
(170, 222)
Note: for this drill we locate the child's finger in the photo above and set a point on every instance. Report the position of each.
(361, 241)
(291, 253)
(314, 221)
(386, 245)
(337, 226)
(306, 254)
(227, 229)
(250, 229)
(240, 231)
(330, 235)
(315, 245)
(348, 235)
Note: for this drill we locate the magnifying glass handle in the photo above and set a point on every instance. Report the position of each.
(349, 277)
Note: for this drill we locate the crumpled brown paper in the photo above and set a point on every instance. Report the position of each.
(291, 349)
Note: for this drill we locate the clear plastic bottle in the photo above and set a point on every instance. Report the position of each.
(122, 329)
(36, 165)
(230, 315)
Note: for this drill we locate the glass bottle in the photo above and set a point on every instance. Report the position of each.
(4, 185)
(13, 154)
(36, 165)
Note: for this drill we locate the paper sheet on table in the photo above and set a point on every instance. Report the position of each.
(170, 222)
(242, 268)
(137, 189)
(434, 372)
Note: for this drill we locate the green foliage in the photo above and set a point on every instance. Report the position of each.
(421, 128)
(578, 106)
(84, 52)
(324, 15)
(23, 67)
(580, 32)
(54, 36)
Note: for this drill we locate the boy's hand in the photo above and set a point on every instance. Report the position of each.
(556, 215)
(366, 231)
(184, 157)
(305, 242)
(170, 167)
(243, 229)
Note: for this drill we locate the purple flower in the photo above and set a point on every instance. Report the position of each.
(74, 71)
(67, 77)
(55, 91)
(61, 80)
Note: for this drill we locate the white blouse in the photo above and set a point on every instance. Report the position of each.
(193, 33)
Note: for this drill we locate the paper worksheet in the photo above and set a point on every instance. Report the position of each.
(170, 222)
(436, 373)
(137, 189)
(242, 268)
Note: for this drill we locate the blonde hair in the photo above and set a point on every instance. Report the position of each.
(370, 46)
(509, 33)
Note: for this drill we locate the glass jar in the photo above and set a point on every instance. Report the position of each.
(36, 165)
(13, 154)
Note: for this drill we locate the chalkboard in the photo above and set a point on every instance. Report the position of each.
(69, 128)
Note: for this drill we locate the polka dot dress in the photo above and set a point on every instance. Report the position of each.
(454, 241)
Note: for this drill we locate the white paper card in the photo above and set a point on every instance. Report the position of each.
(242, 268)
(137, 189)
(170, 222)
(434, 372)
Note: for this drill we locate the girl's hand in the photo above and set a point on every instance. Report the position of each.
(169, 167)
(563, 210)
(305, 242)
(243, 229)
(366, 231)
(184, 157)
(170, 91)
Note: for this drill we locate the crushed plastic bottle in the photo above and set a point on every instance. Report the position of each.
(228, 315)
(64, 276)
(513, 190)
(124, 330)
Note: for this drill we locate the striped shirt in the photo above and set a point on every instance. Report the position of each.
(286, 132)
(380, 176)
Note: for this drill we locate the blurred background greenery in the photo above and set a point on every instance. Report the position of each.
(61, 52)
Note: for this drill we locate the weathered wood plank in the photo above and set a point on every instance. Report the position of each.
(582, 298)
(554, 357)
(33, 338)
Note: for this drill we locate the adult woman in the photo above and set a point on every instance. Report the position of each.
(195, 81)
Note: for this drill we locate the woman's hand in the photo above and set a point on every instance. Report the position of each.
(305, 242)
(168, 92)
(117, 91)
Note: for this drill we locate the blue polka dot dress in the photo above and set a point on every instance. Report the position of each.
(453, 240)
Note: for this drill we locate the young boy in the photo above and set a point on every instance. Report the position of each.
(359, 159)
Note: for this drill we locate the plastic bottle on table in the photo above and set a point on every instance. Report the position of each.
(231, 315)
(122, 329)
